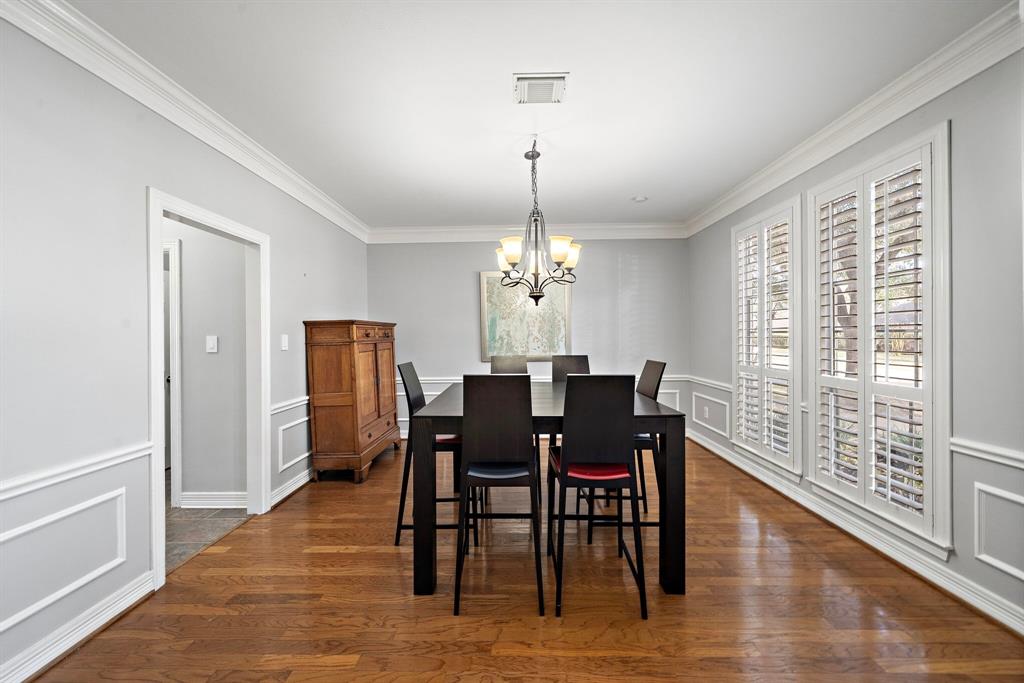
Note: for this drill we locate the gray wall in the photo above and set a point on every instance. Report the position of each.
(213, 385)
(627, 306)
(988, 331)
(77, 156)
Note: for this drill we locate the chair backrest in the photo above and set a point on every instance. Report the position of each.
(568, 365)
(598, 419)
(650, 379)
(414, 397)
(497, 419)
(508, 365)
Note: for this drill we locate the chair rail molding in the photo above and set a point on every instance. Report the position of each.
(19, 486)
(63, 28)
(917, 558)
(290, 404)
(985, 451)
(985, 44)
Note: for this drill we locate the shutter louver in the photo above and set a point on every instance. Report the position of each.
(777, 296)
(899, 279)
(899, 452)
(838, 435)
(838, 298)
(748, 259)
(776, 416)
(748, 408)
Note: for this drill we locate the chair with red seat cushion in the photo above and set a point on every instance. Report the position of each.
(416, 399)
(596, 451)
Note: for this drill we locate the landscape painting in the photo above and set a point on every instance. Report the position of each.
(511, 325)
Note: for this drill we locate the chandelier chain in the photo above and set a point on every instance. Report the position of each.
(533, 175)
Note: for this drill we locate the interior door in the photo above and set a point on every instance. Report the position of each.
(366, 382)
(386, 373)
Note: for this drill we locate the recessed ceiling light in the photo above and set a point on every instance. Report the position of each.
(639, 198)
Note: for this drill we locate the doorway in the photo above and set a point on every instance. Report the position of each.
(251, 339)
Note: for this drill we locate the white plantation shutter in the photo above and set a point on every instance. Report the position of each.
(839, 435)
(873, 336)
(765, 330)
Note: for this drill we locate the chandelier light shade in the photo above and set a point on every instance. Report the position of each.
(548, 260)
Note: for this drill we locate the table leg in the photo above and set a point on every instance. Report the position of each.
(672, 510)
(424, 510)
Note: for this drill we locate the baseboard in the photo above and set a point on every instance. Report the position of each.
(291, 486)
(214, 499)
(38, 656)
(978, 597)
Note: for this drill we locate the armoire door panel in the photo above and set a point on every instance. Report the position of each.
(331, 368)
(386, 373)
(366, 382)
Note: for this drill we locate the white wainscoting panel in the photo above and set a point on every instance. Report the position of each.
(281, 464)
(999, 512)
(105, 513)
(717, 412)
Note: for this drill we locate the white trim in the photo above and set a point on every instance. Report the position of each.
(34, 658)
(258, 450)
(289, 404)
(173, 250)
(711, 383)
(117, 495)
(62, 27)
(1001, 455)
(281, 464)
(19, 486)
(290, 486)
(693, 413)
(979, 528)
(674, 392)
(424, 234)
(985, 44)
(214, 499)
(979, 597)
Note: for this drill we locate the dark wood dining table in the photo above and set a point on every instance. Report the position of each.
(443, 415)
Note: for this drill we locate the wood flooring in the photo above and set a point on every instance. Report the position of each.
(316, 591)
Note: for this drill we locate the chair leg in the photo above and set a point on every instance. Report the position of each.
(456, 467)
(460, 556)
(560, 557)
(618, 515)
(641, 477)
(579, 494)
(590, 516)
(638, 546)
(405, 490)
(551, 510)
(535, 514)
(474, 497)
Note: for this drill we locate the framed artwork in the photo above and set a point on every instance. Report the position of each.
(511, 325)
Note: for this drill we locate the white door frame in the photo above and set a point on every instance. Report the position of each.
(258, 475)
(173, 250)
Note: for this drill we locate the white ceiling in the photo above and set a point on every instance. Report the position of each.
(403, 111)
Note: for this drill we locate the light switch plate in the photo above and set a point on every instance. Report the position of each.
(705, 412)
(211, 343)
(284, 342)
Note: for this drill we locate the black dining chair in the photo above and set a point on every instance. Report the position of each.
(648, 385)
(596, 450)
(562, 366)
(415, 399)
(508, 365)
(497, 451)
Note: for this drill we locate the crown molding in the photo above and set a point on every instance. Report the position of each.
(66, 30)
(980, 47)
(492, 233)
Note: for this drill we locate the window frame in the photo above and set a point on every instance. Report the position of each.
(789, 211)
(931, 149)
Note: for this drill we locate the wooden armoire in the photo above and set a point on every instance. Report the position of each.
(350, 368)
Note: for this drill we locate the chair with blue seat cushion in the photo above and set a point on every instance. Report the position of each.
(596, 451)
(497, 451)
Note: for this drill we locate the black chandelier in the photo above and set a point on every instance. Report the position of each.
(537, 274)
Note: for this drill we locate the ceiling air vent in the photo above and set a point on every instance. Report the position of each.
(546, 88)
